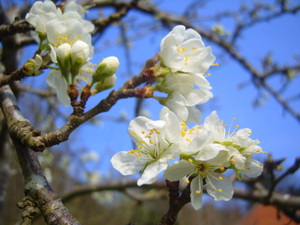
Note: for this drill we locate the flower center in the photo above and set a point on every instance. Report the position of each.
(148, 147)
(66, 39)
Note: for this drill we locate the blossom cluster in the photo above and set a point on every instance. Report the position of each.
(65, 33)
(183, 66)
(199, 155)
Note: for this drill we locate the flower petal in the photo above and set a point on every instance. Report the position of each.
(59, 83)
(151, 172)
(253, 168)
(219, 186)
(209, 151)
(137, 127)
(178, 170)
(196, 192)
(127, 163)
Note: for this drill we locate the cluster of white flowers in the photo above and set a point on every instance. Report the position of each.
(67, 35)
(199, 155)
(183, 66)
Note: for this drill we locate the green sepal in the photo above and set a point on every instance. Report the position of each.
(75, 67)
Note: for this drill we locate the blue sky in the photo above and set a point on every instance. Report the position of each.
(277, 131)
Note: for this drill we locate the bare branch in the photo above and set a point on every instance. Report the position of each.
(38, 190)
(20, 127)
(18, 26)
(122, 10)
(278, 199)
(14, 76)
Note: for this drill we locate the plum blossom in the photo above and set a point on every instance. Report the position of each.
(207, 151)
(76, 11)
(211, 137)
(183, 50)
(156, 144)
(67, 31)
(184, 61)
(177, 104)
(41, 13)
(211, 171)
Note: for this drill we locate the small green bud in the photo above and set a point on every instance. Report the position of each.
(80, 53)
(105, 69)
(76, 66)
(107, 83)
(32, 66)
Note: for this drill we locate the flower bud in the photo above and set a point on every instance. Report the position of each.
(62, 56)
(80, 53)
(32, 66)
(105, 69)
(107, 83)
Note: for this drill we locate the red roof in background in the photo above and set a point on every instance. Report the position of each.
(265, 215)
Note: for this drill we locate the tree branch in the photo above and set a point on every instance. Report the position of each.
(122, 10)
(18, 26)
(38, 190)
(20, 128)
(277, 199)
(16, 75)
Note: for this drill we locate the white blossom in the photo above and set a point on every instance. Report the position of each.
(177, 103)
(66, 31)
(206, 141)
(184, 61)
(76, 11)
(184, 83)
(41, 13)
(217, 184)
(156, 143)
(183, 50)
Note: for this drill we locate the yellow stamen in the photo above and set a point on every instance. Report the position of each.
(197, 192)
(182, 133)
